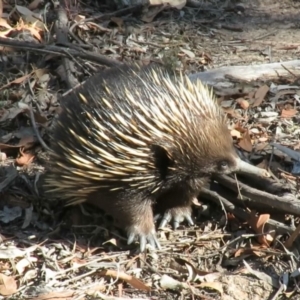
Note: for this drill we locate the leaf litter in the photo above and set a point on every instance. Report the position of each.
(48, 252)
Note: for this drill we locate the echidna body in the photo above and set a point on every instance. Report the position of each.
(136, 137)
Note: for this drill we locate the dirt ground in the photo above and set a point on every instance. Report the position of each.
(266, 31)
(50, 252)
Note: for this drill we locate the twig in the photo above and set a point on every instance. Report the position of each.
(287, 203)
(61, 30)
(62, 51)
(241, 213)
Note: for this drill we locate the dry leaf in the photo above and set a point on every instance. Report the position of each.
(136, 283)
(3, 23)
(173, 3)
(260, 95)
(24, 158)
(79, 18)
(35, 31)
(8, 285)
(288, 113)
(112, 241)
(235, 133)
(258, 225)
(34, 4)
(245, 143)
(292, 238)
(24, 263)
(230, 111)
(18, 80)
(3, 156)
(244, 104)
(23, 10)
(56, 296)
(213, 285)
(189, 53)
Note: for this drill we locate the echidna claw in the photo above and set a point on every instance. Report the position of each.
(189, 220)
(178, 216)
(167, 217)
(131, 238)
(144, 239)
(175, 224)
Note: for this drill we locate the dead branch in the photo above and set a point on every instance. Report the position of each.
(286, 203)
(217, 77)
(242, 214)
(61, 30)
(61, 51)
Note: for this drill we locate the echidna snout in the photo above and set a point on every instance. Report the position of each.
(133, 140)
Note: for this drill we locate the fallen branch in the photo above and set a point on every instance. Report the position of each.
(286, 203)
(220, 77)
(61, 51)
(242, 214)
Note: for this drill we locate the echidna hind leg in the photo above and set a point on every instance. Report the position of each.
(140, 224)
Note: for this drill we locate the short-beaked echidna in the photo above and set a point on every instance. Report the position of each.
(134, 137)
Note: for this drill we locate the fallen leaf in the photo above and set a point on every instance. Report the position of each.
(254, 250)
(24, 158)
(24, 263)
(189, 53)
(260, 95)
(112, 241)
(258, 225)
(17, 81)
(235, 133)
(34, 31)
(290, 241)
(179, 4)
(4, 34)
(65, 295)
(136, 283)
(23, 10)
(288, 113)
(79, 18)
(4, 23)
(34, 4)
(230, 111)
(3, 156)
(245, 143)
(213, 285)
(244, 104)
(8, 285)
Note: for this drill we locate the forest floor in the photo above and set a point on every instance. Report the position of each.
(52, 252)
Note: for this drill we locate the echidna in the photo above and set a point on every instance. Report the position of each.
(134, 137)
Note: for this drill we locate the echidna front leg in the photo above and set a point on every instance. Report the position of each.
(175, 205)
(177, 215)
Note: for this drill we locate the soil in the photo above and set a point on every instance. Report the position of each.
(73, 254)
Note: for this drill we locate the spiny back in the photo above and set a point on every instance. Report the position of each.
(136, 128)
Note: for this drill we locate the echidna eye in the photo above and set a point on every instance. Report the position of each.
(223, 164)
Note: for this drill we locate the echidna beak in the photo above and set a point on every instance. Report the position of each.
(244, 167)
